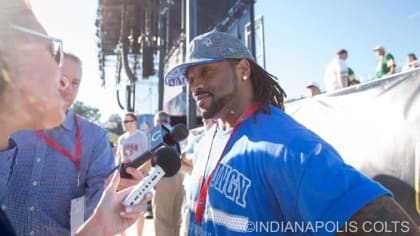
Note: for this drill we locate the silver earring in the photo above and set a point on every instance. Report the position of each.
(244, 77)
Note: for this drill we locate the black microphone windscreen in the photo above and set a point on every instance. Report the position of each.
(168, 160)
(179, 132)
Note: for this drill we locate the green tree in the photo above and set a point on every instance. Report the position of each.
(114, 128)
(113, 138)
(113, 124)
(88, 112)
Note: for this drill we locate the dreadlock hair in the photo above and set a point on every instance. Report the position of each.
(266, 89)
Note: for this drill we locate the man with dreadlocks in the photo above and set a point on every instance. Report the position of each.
(258, 170)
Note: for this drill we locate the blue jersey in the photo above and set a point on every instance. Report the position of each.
(275, 176)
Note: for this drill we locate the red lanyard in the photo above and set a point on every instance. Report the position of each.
(203, 187)
(77, 149)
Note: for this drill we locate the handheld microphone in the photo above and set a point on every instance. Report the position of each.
(165, 163)
(158, 137)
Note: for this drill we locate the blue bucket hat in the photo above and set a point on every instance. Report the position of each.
(206, 48)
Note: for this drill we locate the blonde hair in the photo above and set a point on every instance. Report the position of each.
(11, 12)
(73, 57)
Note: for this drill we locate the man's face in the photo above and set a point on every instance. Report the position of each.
(35, 74)
(72, 72)
(343, 56)
(129, 123)
(312, 91)
(379, 52)
(214, 87)
(410, 59)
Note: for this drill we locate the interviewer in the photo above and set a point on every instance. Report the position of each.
(29, 81)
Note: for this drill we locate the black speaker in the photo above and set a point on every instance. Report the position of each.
(147, 62)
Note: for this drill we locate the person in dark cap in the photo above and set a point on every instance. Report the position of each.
(412, 62)
(258, 164)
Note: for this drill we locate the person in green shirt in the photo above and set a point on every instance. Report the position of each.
(386, 63)
(351, 80)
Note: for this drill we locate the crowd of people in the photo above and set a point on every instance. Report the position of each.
(54, 164)
(338, 75)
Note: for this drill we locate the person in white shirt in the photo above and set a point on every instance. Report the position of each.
(133, 142)
(187, 159)
(130, 145)
(412, 63)
(336, 72)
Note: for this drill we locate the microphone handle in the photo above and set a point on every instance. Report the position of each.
(137, 194)
(136, 163)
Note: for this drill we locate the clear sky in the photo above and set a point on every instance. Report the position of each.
(301, 37)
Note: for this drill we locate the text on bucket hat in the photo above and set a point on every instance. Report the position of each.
(209, 47)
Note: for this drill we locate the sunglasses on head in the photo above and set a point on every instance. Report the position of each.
(56, 46)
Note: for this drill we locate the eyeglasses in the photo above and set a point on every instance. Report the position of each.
(56, 44)
(127, 121)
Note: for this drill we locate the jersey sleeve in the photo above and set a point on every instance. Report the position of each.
(332, 191)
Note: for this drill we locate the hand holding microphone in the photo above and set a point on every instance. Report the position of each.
(166, 162)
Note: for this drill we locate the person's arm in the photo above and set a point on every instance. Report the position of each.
(391, 70)
(342, 82)
(188, 153)
(118, 153)
(327, 189)
(145, 168)
(383, 211)
(186, 162)
(344, 74)
(391, 64)
(101, 162)
(118, 158)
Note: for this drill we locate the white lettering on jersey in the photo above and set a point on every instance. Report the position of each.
(231, 183)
